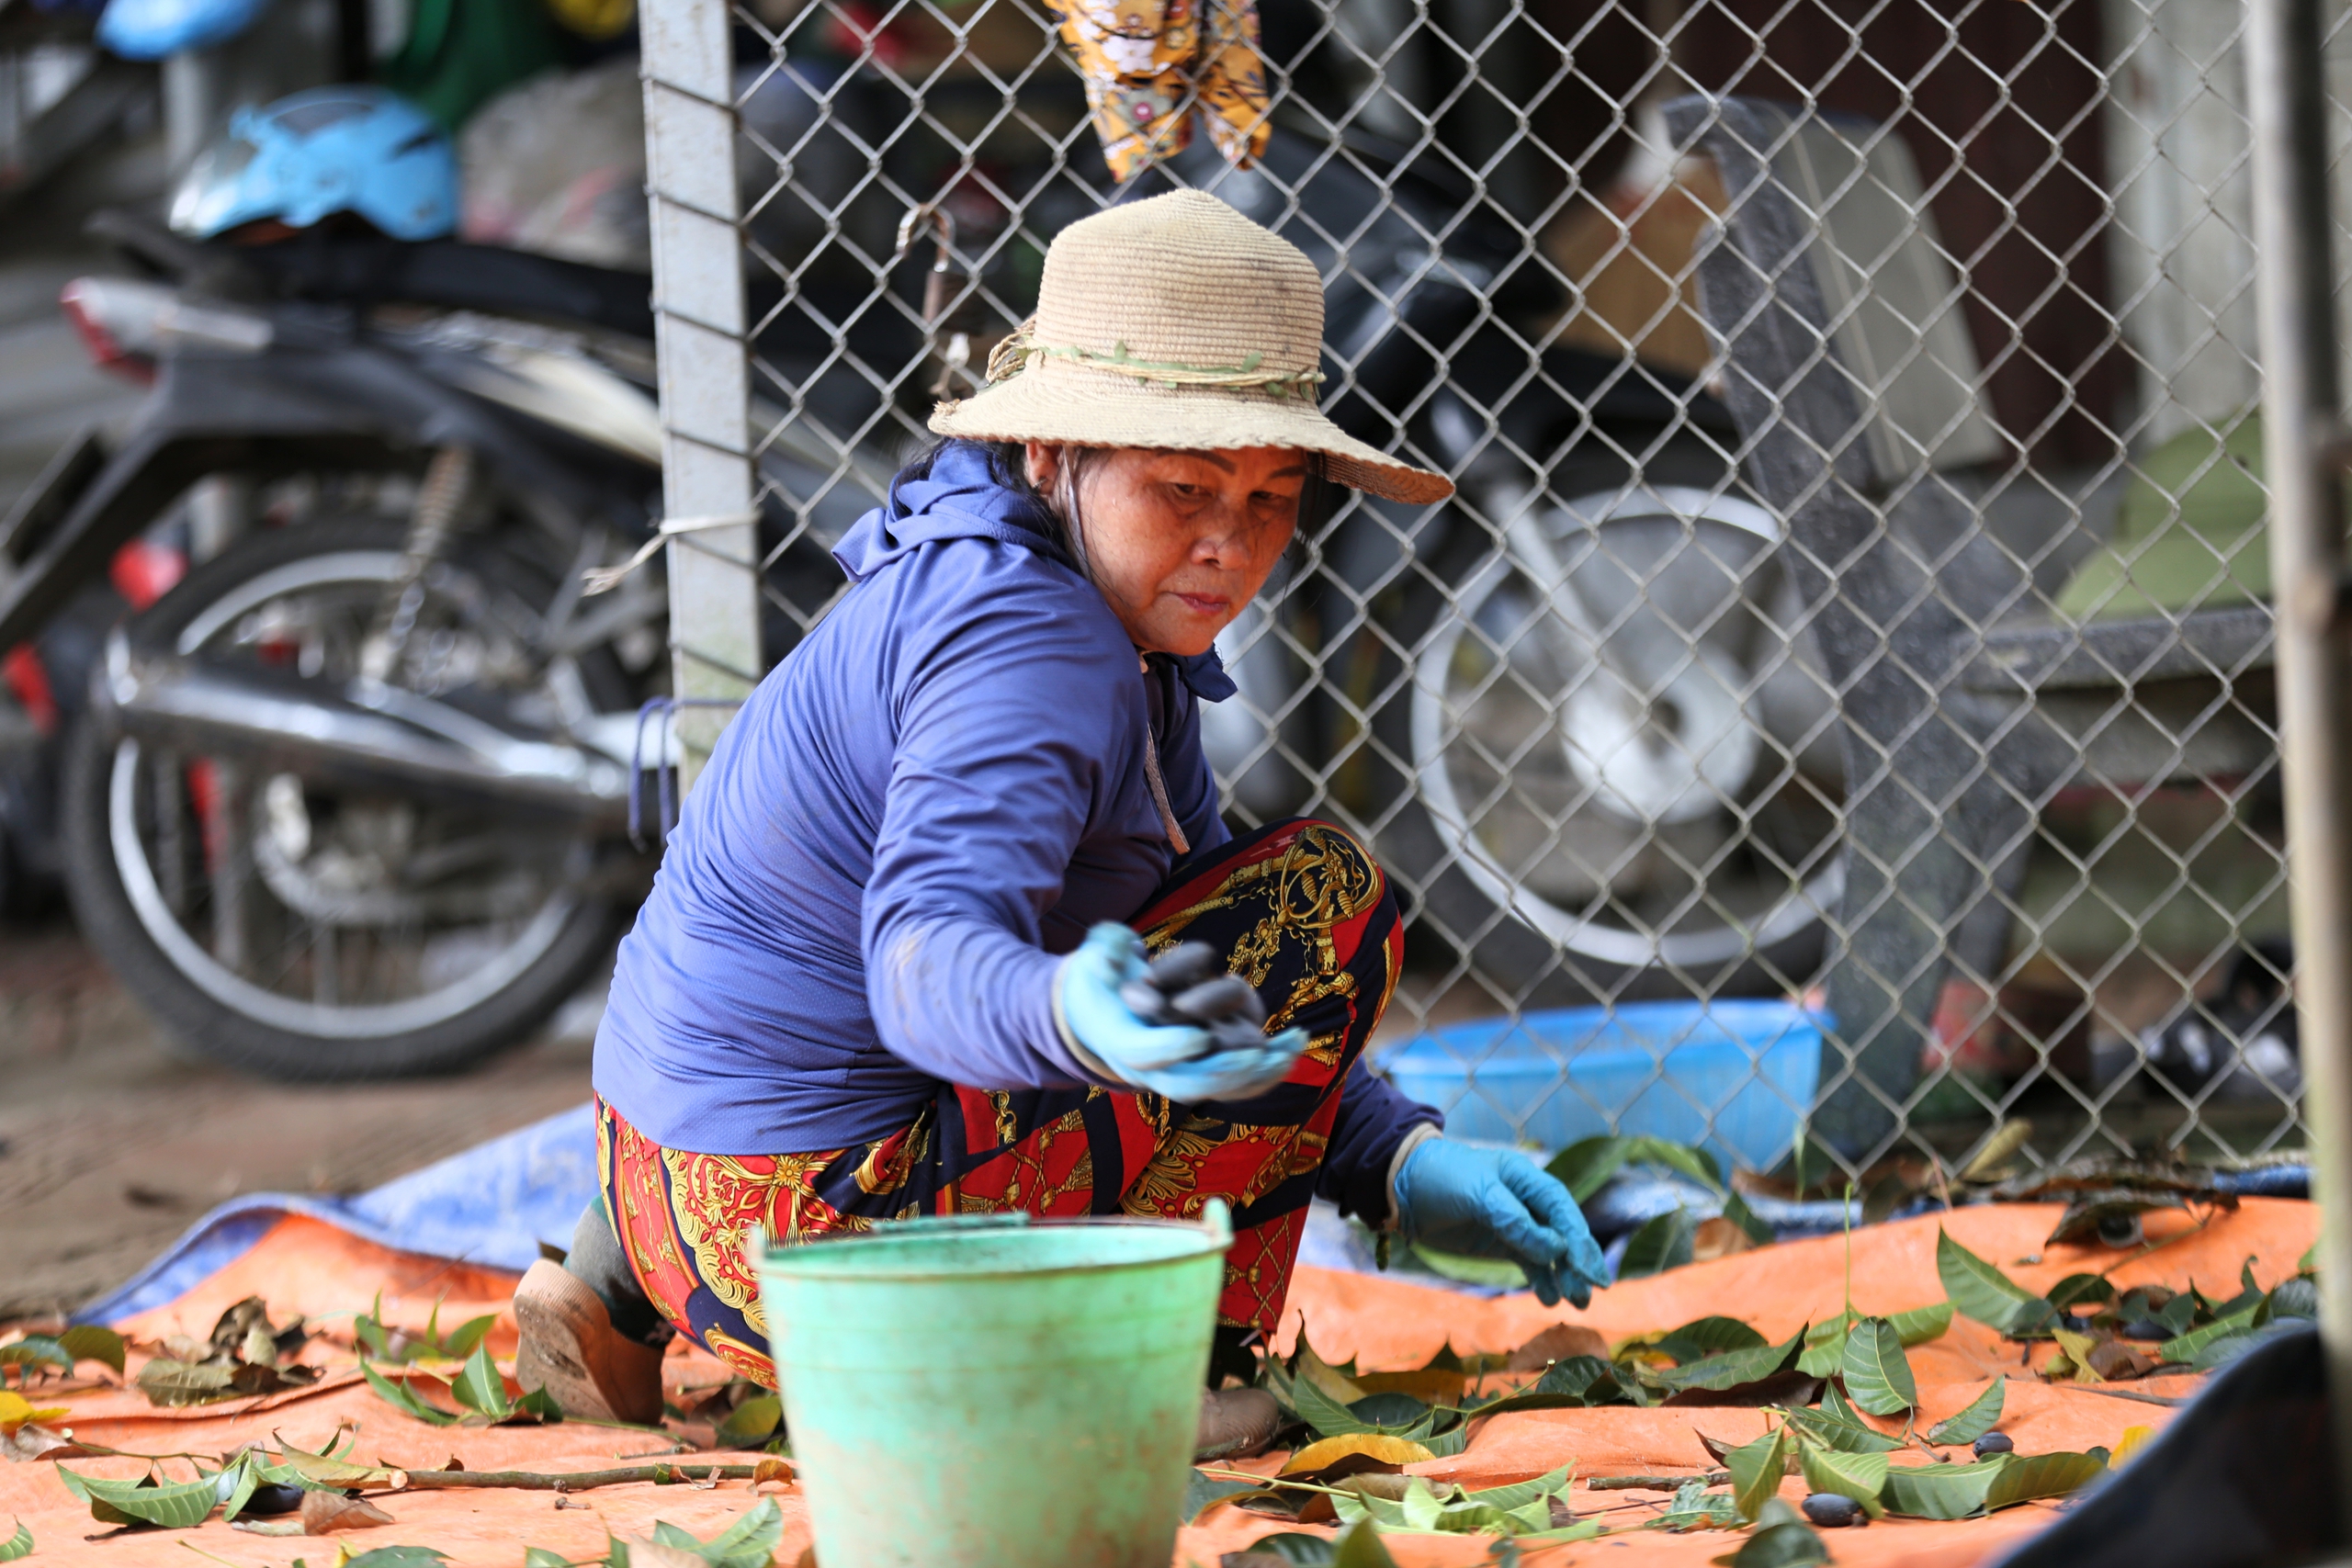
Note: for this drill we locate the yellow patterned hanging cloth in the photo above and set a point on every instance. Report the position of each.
(1153, 66)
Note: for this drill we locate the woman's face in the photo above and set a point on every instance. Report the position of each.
(1180, 541)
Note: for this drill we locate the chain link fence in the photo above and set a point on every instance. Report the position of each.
(1857, 591)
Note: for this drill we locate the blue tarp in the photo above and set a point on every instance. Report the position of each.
(492, 1205)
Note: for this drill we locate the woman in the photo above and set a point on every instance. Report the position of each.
(888, 967)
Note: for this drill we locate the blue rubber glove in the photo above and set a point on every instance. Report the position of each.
(1187, 1063)
(1498, 1203)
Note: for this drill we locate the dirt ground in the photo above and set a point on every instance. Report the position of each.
(110, 1144)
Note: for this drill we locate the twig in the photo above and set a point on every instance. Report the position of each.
(581, 1481)
(1654, 1482)
(2122, 1394)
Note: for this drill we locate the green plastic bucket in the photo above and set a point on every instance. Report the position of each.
(992, 1392)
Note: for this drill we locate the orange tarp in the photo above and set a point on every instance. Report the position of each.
(302, 1267)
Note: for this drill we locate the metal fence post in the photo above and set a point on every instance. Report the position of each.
(2302, 448)
(703, 364)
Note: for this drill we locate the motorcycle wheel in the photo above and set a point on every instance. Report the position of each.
(1627, 786)
(308, 930)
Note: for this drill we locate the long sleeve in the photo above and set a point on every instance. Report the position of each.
(999, 766)
(1374, 1118)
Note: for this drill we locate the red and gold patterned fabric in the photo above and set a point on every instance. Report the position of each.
(1301, 912)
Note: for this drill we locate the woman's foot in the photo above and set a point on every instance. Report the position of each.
(1236, 1422)
(571, 1348)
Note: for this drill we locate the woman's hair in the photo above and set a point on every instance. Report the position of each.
(1009, 467)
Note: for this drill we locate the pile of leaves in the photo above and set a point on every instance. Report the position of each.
(477, 1386)
(1821, 1383)
(244, 1355)
(2105, 1336)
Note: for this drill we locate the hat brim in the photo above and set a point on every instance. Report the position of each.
(1088, 408)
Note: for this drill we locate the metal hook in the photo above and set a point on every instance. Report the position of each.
(955, 356)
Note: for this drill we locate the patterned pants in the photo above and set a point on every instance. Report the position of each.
(1299, 909)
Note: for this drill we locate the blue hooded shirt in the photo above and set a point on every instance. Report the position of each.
(912, 817)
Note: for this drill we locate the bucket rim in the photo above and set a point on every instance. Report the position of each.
(1213, 1232)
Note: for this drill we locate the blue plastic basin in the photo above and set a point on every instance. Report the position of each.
(1662, 1068)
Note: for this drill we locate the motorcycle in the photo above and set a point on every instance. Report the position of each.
(352, 798)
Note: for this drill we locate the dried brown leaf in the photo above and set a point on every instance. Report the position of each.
(1560, 1342)
(1718, 1237)
(323, 1513)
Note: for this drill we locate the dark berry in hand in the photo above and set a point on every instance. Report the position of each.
(1213, 1001)
(1995, 1443)
(1831, 1511)
(1186, 963)
(1144, 999)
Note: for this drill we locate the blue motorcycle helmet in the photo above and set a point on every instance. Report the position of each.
(150, 29)
(329, 149)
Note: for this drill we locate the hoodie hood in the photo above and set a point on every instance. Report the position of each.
(959, 499)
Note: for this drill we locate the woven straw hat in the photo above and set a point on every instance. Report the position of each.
(1175, 322)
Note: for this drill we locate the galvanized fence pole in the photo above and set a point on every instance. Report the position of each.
(2302, 444)
(705, 366)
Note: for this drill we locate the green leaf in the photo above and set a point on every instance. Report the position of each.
(1756, 1471)
(464, 1339)
(1326, 1415)
(1500, 1272)
(1359, 1546)
(17, 1545)
(2024, 1479)
(37, 1350)
(1584, 1167)
(93, 1342)
(751, 1540)
(1862, 1477)
(1732, 1368)
(1973, 1422)
(1579, 1382)
(1842, 1430)
(398, 1557)
(2187, 1347)
(1683, 1160)
(1942, 1491)
(1696, 1508)
(326, 1470)
(180, 1504)
(1202, 1490)
(480, 1388)
(1736, 1211)
(752, 1422)
(1791, 1544)
(1921, 1324)
(1389, 1411)
(540, 1557)
(1825, 1346)
(1980, 1291)
(1878, 1376)
(540, 1405)
(168, 1382)
(241, 1486)
(2075, 1289)
(1661, 1244)
(1706, 1336)
(1520, 1494)
(405, 1400)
